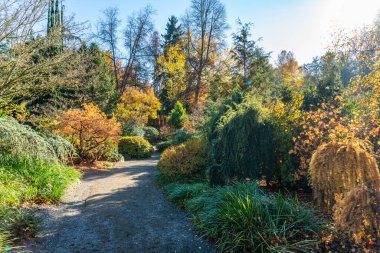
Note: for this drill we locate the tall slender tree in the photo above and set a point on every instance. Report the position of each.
(55, 15)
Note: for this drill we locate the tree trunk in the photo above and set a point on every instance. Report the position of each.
(197, 90)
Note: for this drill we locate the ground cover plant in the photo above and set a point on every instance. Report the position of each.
(242, 218)
(31, 171)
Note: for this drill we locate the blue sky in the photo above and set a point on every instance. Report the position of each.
(301, 26)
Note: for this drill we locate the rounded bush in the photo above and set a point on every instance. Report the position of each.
(135, 147)
(186, 162)
(151, 134)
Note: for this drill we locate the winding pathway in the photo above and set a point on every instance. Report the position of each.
(120, 210)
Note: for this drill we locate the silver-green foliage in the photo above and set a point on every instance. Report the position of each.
(21, 140)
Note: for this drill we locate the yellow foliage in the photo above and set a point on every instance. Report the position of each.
(187, 160)
(172, 64)
(357, 214)
(339, 167)
(138, 106)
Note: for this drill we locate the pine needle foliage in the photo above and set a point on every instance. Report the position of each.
(21, 140)
(245, 147)
(177, 117)
(338, 167)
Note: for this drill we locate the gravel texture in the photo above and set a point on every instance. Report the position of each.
(119, 210)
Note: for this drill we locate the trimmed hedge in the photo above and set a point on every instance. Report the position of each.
(135, 147)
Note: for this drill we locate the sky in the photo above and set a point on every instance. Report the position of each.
(301, 26)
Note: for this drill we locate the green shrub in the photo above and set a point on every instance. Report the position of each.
(135, 147)
(186, 162)
(151, 134)
(20, 140)
(242, 218)
(62, 148)
(177, 117)
(244, 146)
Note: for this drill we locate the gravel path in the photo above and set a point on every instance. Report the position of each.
(120, 210)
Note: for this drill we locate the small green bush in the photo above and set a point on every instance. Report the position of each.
(177, 117)
(186, 162)
(135, 147)
(20, 223)
(62, 148)
(151, 134)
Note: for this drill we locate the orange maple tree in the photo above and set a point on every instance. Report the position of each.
(90, 131)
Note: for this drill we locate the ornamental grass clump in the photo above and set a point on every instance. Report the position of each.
(242, 218)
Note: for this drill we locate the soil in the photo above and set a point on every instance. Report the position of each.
(118, 210)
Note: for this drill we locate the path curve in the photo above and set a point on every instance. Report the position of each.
(120, 210)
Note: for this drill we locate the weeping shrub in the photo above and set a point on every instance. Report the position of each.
(244, 146)
(337, 167)
(185, 162)
(357, 215)
(135, 147)
(20, 140)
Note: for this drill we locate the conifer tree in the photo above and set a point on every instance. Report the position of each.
(173, 32)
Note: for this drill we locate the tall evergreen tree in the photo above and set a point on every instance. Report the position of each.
(173, 32)
(252, 66)
(55, 15)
